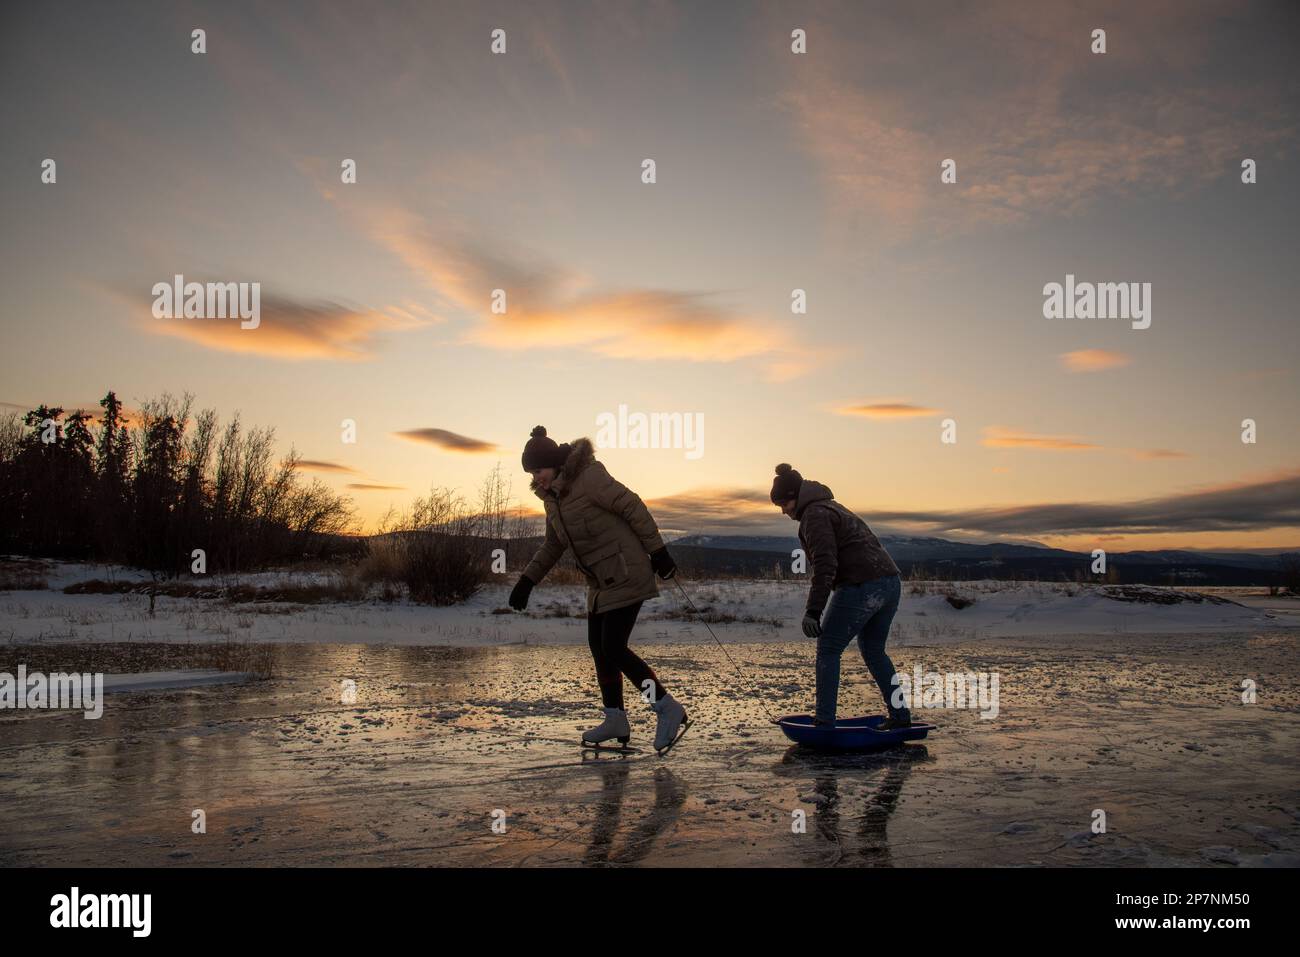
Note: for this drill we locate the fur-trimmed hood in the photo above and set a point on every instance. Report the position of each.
(581, 454)
(809, 492)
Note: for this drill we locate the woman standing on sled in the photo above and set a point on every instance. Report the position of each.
(853, 570)
(616, 544)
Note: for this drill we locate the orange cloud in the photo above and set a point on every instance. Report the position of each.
(1000, 438)
(367, 487)
(889, 410)
(1094, 360)
(547, 306)
(294, 330)
(1159, 454)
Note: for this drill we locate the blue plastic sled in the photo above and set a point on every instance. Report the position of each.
(849, 734)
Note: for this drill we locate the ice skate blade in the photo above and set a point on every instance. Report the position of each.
(681, 732)
(612, 748)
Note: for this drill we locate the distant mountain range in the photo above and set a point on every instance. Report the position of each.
(768, 556)
(944, 559)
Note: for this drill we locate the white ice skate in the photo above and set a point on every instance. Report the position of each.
(614, 726)
(672, 723)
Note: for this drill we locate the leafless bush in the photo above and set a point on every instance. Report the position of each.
(383, 559)
(441, 549)
(11, 435)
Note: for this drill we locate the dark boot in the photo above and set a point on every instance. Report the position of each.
(895, 721)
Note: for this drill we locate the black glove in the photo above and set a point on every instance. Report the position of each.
(519, 596)
(812, 624)
(663, 563)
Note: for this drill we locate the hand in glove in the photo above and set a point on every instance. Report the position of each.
(812, 625)
(519, 596)
(663, 563)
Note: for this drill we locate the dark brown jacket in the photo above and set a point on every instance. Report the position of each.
(843, 550)
(608, 527)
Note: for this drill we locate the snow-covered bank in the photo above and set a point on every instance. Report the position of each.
(737, 611)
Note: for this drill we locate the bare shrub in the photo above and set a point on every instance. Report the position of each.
(442, 548)
(382, 561)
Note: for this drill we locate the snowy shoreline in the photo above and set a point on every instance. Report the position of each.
(738, 611)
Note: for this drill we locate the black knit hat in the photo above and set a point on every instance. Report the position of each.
(543, 453)
(786, 484)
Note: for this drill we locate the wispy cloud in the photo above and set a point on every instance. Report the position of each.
(294, 329)
(315, 465)
(1050, 131)
(450, 441)
(715, 509)
(1260, 505)
(1001, 438)
(549, 306)
(1270, 502)
(889, 410)
(1094, 360)
(996, 437)
(368, 487)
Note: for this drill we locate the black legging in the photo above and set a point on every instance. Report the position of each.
(607, 634)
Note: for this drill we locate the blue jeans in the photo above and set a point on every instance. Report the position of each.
(864, 612)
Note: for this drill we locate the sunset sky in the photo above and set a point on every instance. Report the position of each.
(775, 171)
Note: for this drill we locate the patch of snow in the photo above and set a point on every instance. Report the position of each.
(159, 680)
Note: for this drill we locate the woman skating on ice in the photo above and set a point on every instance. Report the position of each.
(853, 570)
(616, 544)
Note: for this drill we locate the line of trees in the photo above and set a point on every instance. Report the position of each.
(148, 489)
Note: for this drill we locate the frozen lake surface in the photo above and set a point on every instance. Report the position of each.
(1148, 728)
